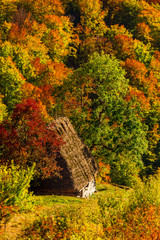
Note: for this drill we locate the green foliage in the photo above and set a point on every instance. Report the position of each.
(14, 184)
(116, 29)
(108, 124)
(92, 17)
(66, 223)
(11, 82)
(8, 7)
(125, 171)
(144, 53)
(3, 112)
(146, 193)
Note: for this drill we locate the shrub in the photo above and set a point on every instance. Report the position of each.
(125, 171)
(65, 223)
(50, 227)
(146, 193)
(103, 175)
(14, 184)
(142, 223)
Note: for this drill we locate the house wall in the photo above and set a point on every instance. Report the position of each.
(88, 190)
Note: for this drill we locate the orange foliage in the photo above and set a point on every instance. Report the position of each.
(92, 18)
(155, 65)
(140, 97)
(142, 79)
(124, 46)
(44, 98)
(40, 68)
(137, 74)
(150, 15)
(55, 44)
(153, 137)
(56, 73)
(157, 55)
(17, 34)
(103, 175)
(142, 224)
(95, 44)
(29, 90)
(143, 32)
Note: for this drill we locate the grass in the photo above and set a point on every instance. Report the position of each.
(108, 214)
(48, 205)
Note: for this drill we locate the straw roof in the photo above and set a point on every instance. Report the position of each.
(75, 159)
(80, 164)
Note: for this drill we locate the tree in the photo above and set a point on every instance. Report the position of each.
(8, 8)
(150, 17)
(3, 112)
(108, 124)
(11, 81)
(27, 140)
(122, 12)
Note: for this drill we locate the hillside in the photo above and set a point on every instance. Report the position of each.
(109, 214)
(97, 63)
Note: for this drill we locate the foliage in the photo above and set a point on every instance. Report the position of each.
(135, 216)
(141, 223)
(48, 228)
(108, 124)
(65, 223)
(103, 174)
(122, 12)
(110, 213)
(125, 172)
(14, 184)
(28, 140)
(91, 17)
(71, 55)
(14, 194)
(3, 112)
(11, 82)
(98, 63)
(146, 193)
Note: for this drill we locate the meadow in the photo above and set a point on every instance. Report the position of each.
(111, 213)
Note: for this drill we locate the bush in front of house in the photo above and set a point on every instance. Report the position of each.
(14, 185)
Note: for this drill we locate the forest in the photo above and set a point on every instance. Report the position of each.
(96, 62)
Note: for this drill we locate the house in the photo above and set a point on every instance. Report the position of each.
(78, 166)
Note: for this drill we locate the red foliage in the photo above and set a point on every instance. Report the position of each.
(140, 224)
(27, 139)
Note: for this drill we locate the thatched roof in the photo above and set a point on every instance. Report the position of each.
(81, 166)
(78, 165)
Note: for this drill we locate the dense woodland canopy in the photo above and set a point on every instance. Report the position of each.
(96, 62)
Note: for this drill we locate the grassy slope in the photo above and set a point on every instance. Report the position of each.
(80, 212)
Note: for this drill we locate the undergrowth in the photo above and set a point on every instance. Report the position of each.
(111, 213)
